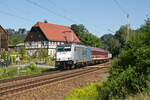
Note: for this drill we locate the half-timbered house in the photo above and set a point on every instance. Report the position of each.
(3, 39)
(48, 36)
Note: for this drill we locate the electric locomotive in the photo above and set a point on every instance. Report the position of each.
(69, 56)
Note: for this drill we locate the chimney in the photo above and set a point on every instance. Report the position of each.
(45, 21)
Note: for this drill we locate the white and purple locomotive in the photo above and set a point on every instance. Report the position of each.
(69, 56)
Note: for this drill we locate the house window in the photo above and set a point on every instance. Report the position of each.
(46, 43)
(42, 42)
(29, 44)
(51, 52)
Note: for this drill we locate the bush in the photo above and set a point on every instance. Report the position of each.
(33, 66)
(10, 72)
(89, 92)
(12, 59)
(130, 72)
(7, 72)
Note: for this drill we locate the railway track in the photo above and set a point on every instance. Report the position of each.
(40, 80)
(25, 79)
(4, 81)
(30, 77)
(22, 79)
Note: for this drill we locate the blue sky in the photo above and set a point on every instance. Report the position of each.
(97, 15)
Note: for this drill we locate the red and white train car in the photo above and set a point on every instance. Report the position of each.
(99, 55)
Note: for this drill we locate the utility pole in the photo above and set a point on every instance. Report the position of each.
(128, 27)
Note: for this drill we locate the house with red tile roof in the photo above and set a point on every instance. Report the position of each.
(48, 36)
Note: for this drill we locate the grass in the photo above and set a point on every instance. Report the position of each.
(89, 92)
(145, 95)
(11, 72)
(140, 96)
(47, 61)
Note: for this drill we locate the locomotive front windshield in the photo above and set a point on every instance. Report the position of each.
(62, 49)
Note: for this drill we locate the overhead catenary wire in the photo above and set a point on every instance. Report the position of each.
(69, 18)
(13, 15)
(127, 15)
(60, 8)
(51, 2)
(56, 14)
(120, 7)
(50, 11)
(12, 8)
(44, 8)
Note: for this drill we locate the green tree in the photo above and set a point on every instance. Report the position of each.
(121, 35)
(111, 43)
(113, 46)
(115, 43)
(130, 72)
(85, 37)
(79, 30)
(91, 40)
(15, 38)
(22, 51)
(42, 54)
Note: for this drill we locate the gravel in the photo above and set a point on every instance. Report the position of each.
(58, 90)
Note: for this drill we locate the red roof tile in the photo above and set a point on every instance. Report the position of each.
(57, 32)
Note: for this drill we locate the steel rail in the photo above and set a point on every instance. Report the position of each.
(36, 83)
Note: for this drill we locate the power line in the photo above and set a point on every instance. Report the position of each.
(13, 15)
(127, 15)
(48, 10)
(60, 8)
(64, 10)
(12, 8)
(42, 7)
(10, 14)
(121, 8)
(67, 18)
(55, 5)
